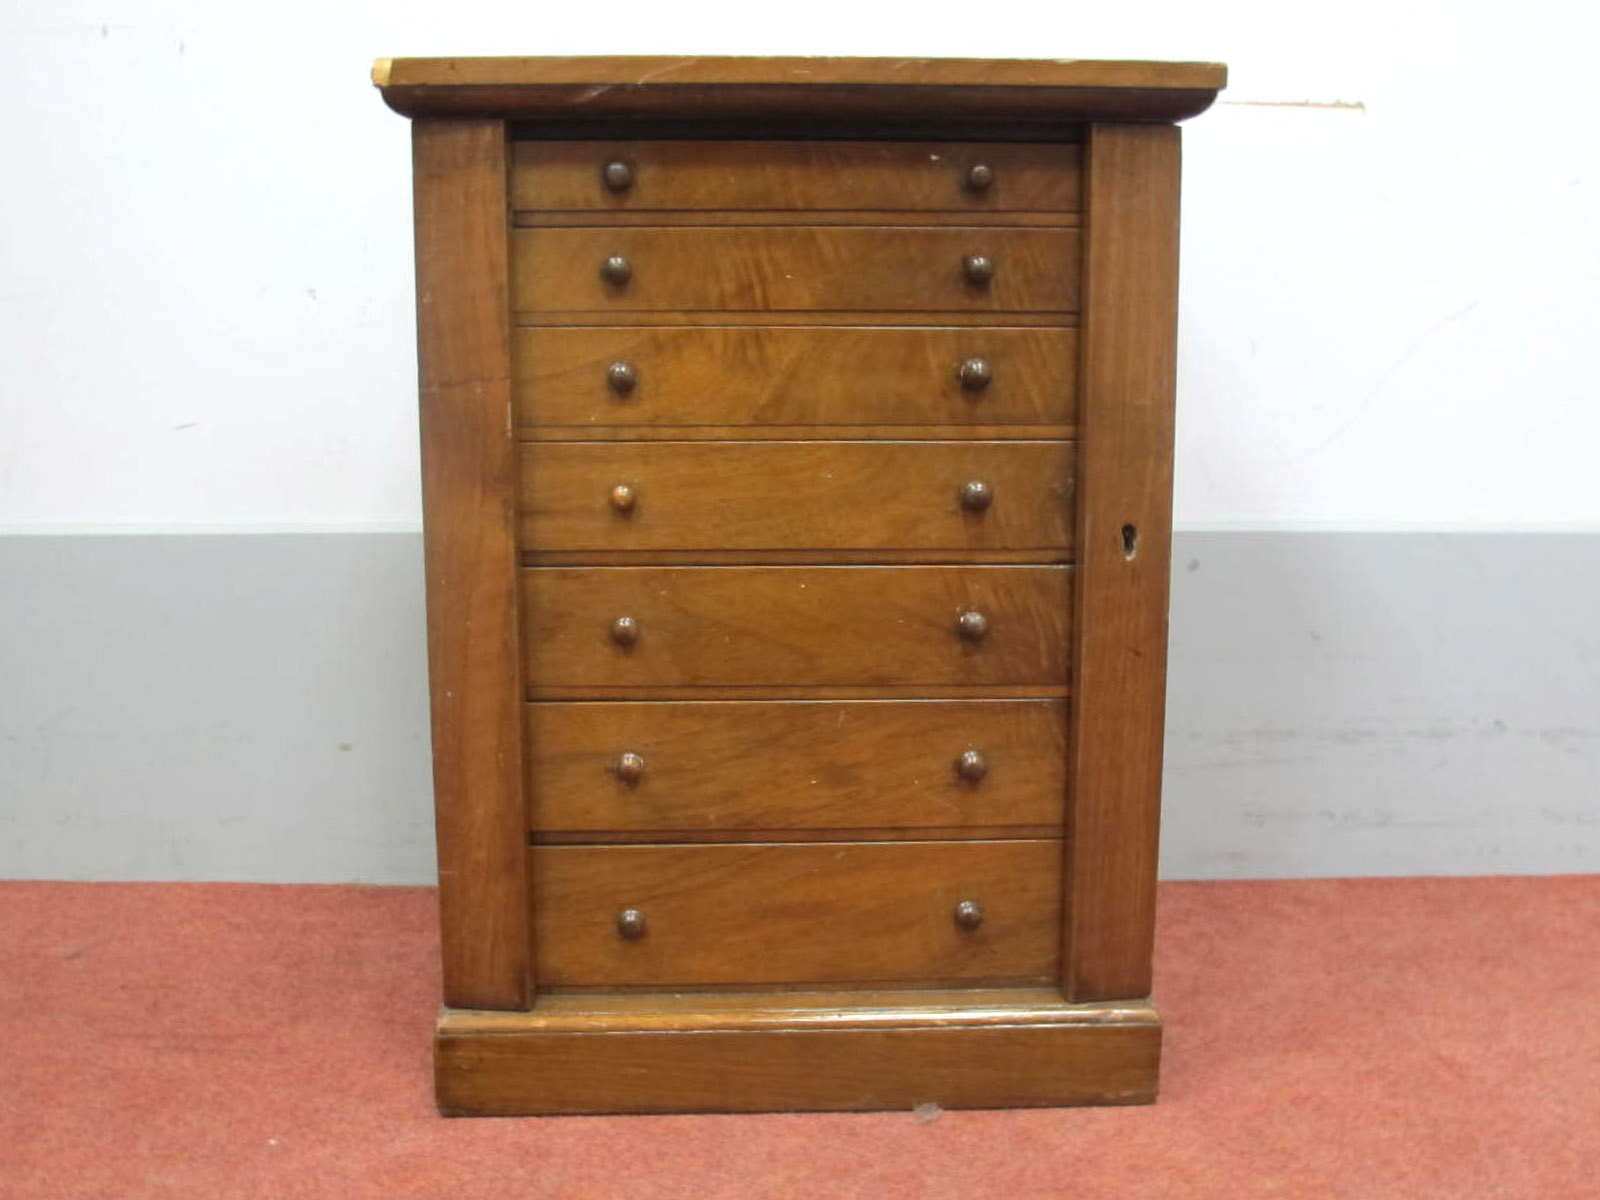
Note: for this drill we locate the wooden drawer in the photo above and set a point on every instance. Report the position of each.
(794, 627)
(725, 767)
(797, 375)
(712, 175)
(823, 912)
(796, 496)
(794, 268)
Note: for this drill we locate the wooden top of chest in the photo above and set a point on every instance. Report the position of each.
(892, 89)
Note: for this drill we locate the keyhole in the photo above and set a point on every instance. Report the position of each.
(1130, 541)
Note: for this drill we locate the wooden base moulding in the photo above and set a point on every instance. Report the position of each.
(843, 1052)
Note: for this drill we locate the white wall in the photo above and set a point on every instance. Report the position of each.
(1392, 261)
(1390, 271)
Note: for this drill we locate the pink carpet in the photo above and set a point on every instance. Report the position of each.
(1371, 1038)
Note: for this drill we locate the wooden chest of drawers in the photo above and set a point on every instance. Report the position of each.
(797, 463)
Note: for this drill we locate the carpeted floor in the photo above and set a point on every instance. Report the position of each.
(1372, 1038)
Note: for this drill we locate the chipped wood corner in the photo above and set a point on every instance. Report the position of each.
(381, 69)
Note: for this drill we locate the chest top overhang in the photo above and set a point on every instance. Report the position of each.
(658, 89)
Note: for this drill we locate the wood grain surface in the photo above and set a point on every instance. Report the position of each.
(789, 175)
(794, 627)
(803, 496)
(821, 912)
(773, 318)
(754, 1053)
(794, 268)
(861, 97)
(1129, 373)
(469, 499)
(669, 71)
(770, 217)
(757, 376)
(845, 1007)
(742, 768)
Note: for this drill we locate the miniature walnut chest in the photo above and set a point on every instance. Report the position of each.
(797, 454)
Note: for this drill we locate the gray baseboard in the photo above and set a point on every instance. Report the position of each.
(1383, 704)
(226, 707)
(254, 707)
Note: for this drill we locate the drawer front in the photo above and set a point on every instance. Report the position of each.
(824, 912)
(796, 268)
(709, 175)
(760, 767)
(798, 375)
(800, 496)
(795, 626)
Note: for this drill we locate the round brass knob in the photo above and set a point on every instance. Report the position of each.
(631, 924)
(618, 176)
(622, 378)
(624, 631)
(974, 374)
(624, 497)
(971, 625)
(629, 767)
(976, 496)
(979, 177)
(972, 766)
(978, 268)
(969, 914)
(617, 270)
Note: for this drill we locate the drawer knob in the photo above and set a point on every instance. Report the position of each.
(978, 268)
(622, 378)
(629, 767)
(631, 924)
(624, 631)
(623, 498)
(618, 176)
(616, 270)
(972, 766)
(979, 177)
(976, 496)
(972, 625)
(969, 914)
(974, 374)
